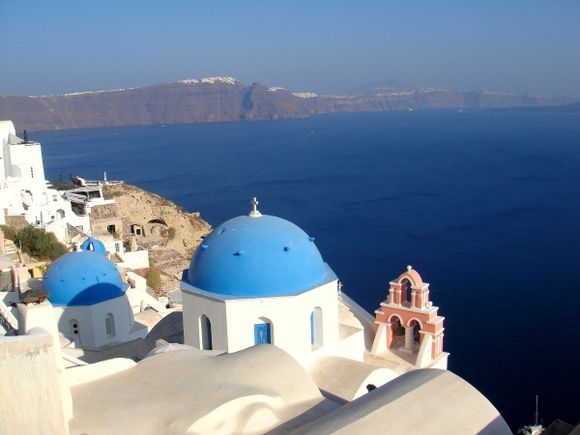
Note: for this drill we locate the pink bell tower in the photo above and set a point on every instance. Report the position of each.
(408, 322)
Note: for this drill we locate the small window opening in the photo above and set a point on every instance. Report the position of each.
(110, 325)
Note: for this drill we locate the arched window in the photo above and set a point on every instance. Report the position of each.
(205, 342)
(316, 333)
(110, 325)
(263, 331)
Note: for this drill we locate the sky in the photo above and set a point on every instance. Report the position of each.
(329, 47)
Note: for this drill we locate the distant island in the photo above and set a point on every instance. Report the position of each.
(218, 99)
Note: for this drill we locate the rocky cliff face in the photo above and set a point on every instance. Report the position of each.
(226, 99)
(167, 231)
(262, 103)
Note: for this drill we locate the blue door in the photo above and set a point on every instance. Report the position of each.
(262, 333)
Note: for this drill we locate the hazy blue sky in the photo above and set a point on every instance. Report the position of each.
(323, 46)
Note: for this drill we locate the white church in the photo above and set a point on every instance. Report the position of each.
(90, 301)
(261, 280)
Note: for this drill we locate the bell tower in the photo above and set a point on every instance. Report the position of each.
(408, 322)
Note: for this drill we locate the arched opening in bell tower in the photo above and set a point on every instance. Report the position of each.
(406, 289)
(397, 332)
(414, 330)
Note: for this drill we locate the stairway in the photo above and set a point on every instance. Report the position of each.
(11, 249)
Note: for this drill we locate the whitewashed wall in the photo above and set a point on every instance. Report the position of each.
(91, 320)
(194, 306)
(233, 321)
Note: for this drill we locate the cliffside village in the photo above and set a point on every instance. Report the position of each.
(85, 215)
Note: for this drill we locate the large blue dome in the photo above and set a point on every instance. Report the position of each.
(82, 278)
(257, 257)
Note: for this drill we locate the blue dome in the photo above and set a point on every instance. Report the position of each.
(82, 278)
(95, 245)
(257, 257)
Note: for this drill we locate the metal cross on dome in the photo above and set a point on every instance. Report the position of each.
(255, 212)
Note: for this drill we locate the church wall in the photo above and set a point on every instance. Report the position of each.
(194, 306)
(290, 323)
(123, 320)
(91, 321)
(233, 320)
(327, 300)
(290, 320)
(64, 316)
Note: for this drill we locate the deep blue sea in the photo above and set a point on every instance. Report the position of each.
(484, 204)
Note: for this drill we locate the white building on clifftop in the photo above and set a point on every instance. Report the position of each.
(24, 191)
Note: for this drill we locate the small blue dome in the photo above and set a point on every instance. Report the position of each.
(94, 245)
(82, 278)
(257, 257)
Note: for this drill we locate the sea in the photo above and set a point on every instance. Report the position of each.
(484, 204)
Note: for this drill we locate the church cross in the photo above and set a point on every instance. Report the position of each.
(255, 212)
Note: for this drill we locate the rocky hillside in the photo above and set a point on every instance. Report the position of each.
(226, 99)
(150, 221)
